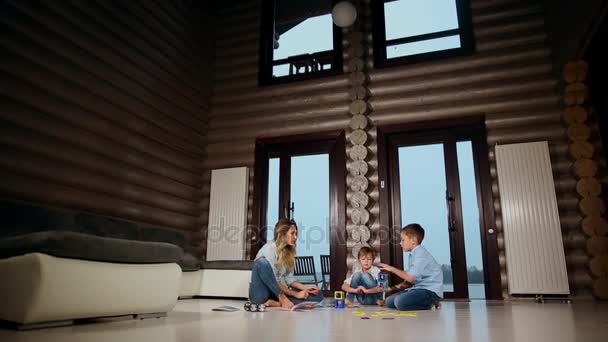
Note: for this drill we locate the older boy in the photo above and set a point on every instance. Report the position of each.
(423, 275)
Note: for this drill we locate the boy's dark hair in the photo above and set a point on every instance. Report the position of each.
(414, 230)
(365, 251)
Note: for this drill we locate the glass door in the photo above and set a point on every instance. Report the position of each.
(309, 192)
(306, 200)
(471, 220)
(434, 181)
(423, 191)
(305, 181)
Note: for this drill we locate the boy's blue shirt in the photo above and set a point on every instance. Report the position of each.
(426, 270)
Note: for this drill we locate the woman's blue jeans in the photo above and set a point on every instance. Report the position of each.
(264, 285)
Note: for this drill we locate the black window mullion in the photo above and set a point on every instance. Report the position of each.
(456, 231)
(284, 185)
(421, 37)
(288, 59)
(464, 31)
(467, 40)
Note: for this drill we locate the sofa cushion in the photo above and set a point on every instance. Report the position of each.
(189, 263)
(147, 232)
(154, 233)
(90, 247)
(227, 264)
(22, 218)
(106, 226)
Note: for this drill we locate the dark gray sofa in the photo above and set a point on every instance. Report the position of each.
(31, 228)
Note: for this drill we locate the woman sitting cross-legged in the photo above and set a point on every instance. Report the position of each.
(272, 281)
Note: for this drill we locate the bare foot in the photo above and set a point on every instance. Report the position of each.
(272, 303)
(348, 302)
(380, 302)
(284, 302)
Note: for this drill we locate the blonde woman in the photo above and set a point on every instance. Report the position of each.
(272, 281)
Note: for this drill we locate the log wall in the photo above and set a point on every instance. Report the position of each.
(508, 79)
(104, 107)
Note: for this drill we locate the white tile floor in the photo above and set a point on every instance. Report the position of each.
(193, 320)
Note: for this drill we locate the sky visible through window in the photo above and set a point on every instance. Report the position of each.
(470, 216)
(403, 18)
(423, 200)
(422, 189)
(310, 195)
(407, 18)
(314, 34)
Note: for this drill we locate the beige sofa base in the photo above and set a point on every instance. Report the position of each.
(56, 324)
(39, 288)
(191, 284)
(216, 283)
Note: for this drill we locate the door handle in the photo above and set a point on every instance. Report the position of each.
(449, 199)
(288, 210)
(448, 196)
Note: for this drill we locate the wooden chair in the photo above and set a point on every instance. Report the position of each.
(325, 270)
(305, 267)
(298, 62)
(322, 59)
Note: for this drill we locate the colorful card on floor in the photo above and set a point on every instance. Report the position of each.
(306, 306)
(393, 314)
(225, 308)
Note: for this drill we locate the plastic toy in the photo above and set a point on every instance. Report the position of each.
(249, 306)
(383, 283)
(339, 299)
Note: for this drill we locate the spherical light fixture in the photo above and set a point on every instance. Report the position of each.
(344, 14)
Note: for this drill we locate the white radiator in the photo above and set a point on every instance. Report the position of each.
(227, 214)
(533, 240)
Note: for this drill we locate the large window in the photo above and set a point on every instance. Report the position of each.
(298, 41)
(414, 30)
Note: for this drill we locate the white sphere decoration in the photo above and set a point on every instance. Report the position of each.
(344, 14)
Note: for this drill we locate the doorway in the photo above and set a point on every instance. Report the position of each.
(303, 178)
(438, 176)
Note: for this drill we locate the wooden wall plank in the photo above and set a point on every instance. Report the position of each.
(103, 107)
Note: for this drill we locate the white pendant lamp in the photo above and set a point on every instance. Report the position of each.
(344, 14)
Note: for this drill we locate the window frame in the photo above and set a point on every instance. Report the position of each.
(332, 142)
(266, 50)
(464, 30)
(470, 128)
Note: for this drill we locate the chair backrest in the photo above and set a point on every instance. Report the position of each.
(305, 266)
(325, 270)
